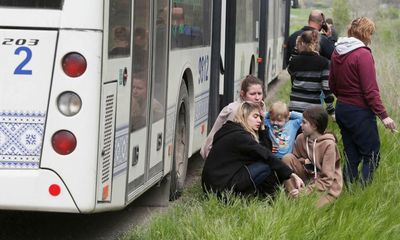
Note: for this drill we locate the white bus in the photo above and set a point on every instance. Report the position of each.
(78, 81)
(102, 100)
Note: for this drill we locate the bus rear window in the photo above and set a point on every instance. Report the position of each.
(49, 4)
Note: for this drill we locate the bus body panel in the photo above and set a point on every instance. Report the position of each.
(113, 70)
(74, 11)
(23, 105)
(78, 169)
(246, 53)
(29, 190)
(30, 18)
(75, 14)
(197, 62)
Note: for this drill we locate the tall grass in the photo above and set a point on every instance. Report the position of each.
(360, 213)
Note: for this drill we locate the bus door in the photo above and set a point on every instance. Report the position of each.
(241, 33)
(115, 103)
(149, 64)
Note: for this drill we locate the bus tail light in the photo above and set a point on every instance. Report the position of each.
(74, 64)
(64, 142)
(69, 103)
(54, 190)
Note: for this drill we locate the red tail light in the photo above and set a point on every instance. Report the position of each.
(74, 64)
(54, 190)
(64, 142)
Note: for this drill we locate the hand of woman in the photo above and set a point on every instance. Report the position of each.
(298, 181)
(389, 123)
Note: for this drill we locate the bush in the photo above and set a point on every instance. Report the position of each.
(388, 13)
(341, 15)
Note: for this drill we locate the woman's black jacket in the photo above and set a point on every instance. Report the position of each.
(233, 148)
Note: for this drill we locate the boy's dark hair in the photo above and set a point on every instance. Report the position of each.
(318, 117)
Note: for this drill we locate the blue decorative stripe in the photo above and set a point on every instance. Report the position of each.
(121, 150)
(21, 137)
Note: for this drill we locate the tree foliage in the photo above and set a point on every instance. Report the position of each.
(341, 15)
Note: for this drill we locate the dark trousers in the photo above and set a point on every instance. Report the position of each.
(259, 172)
(360, 139)
(256, 178)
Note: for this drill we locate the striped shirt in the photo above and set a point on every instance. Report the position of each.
(309, 74)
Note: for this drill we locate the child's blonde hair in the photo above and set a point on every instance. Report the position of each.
(278, 110)
(243, 112)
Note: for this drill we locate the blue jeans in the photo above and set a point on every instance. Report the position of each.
(361, 142)
(259, 171)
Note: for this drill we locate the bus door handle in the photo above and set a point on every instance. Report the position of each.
(159, 141)
(135, 157)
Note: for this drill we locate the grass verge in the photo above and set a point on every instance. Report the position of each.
(369, 213)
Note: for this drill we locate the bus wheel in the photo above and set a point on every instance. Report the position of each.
(252, 69)
(181, 144)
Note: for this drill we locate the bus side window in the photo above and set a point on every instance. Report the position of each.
(121, 46)
(119, 38)
(190, 25)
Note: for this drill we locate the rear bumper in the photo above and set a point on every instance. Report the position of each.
(29, 190)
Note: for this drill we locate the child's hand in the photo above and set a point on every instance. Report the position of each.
(298, 181)
(294, 193)
(274, 149)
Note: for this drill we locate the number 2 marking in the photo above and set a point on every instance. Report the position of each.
(19, 69)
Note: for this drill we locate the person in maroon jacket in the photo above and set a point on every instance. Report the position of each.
(352, 79)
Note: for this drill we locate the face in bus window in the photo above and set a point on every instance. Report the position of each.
(254, 93)
(139, 89)
(121, 42)
(139, 103)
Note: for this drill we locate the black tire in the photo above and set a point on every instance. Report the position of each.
(252, 69)
(181, 144)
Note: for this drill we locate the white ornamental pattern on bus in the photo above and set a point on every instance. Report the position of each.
(21, 137)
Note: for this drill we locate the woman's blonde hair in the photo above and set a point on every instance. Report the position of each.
(361, 28)
(243, 112)
(308, 41)
(278, 110)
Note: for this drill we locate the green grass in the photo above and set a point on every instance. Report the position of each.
(369, 213)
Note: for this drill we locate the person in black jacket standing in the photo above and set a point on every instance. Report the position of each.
(316, 21)
(239, 160)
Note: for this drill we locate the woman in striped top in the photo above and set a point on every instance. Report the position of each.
(309, 74)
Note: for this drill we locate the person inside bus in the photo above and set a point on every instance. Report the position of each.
(121, 45)
(239, 162)
(316, 21)
(251, 89)
(139, 102)
(140, 53)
